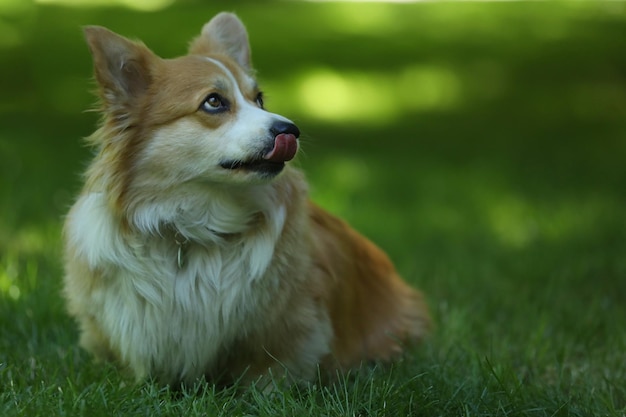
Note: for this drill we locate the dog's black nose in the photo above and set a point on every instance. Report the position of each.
(284, 127)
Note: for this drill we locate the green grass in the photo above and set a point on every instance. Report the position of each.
(482, 145)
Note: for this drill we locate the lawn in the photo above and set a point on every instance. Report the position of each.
(482, 145)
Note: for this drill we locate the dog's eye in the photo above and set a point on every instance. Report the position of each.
(214, 103)
(259, 100)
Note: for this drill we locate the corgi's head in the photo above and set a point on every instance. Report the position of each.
(199, 118)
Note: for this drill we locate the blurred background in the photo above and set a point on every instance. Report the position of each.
(483, 145)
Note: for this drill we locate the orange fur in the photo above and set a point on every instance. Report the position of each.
(193, 252)
(372, 310)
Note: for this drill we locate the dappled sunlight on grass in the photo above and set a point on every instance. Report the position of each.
(16, 8)
(33, 240)
(9, 286)
(331, 96)
(395, 200)
(141, 5)
(511, 220)
(517, 221)
(372, 17)
(18, 273)
(428, 88)
(339, 177)
(507, 216)
(20, 256)
(14, 14)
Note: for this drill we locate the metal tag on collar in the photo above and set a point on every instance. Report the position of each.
(182, 242)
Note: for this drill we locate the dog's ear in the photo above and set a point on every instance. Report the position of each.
(224, 34)
(122, 68)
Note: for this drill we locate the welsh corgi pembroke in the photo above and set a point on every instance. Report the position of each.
(193, 251)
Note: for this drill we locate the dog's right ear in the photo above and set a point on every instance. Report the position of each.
(122, 68)
(224, 34)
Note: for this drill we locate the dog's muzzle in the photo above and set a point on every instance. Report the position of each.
(282, 148)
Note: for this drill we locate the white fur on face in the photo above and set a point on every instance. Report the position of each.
(186, 150)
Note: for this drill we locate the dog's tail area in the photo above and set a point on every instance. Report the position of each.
(374, 313)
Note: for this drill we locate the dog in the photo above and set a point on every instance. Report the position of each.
(193, 251)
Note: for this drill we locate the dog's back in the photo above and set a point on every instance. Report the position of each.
(373, 312)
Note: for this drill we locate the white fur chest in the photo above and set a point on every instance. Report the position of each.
(167, 320)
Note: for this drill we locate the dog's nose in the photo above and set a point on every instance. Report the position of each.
(284, 127)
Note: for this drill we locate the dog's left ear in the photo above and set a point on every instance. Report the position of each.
(224, 34)
(122, 68)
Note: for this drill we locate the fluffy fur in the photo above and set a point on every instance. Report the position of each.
(193, 250)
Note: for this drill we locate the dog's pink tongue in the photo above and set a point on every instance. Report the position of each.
(285, 148)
